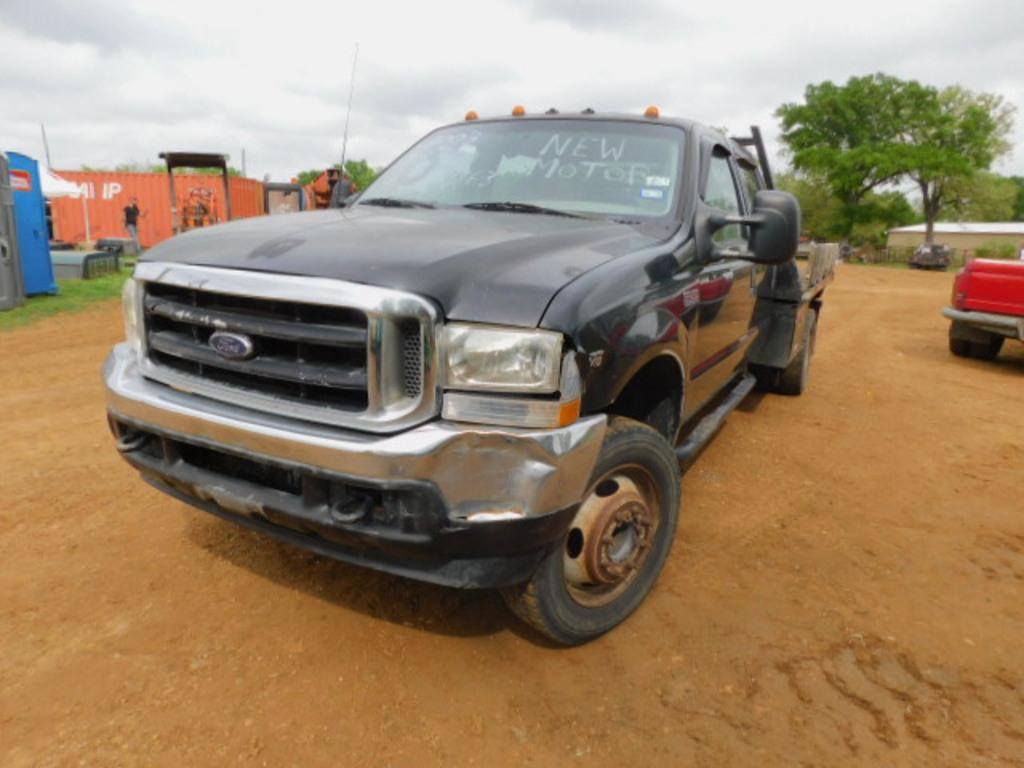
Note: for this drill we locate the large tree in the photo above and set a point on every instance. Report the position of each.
(955, 135)
(877, 129)
(851, 136)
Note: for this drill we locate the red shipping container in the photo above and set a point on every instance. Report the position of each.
(107, 194)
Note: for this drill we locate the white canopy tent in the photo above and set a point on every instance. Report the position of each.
(55, 186)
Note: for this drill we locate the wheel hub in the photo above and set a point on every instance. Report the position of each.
(610, 536)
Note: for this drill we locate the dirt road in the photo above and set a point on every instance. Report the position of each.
(846, 589)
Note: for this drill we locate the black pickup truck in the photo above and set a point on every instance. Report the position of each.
(487, 368)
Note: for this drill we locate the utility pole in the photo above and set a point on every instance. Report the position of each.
(46, 146)
(244, 174)
(348, 113)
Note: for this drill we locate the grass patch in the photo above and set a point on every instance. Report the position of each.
(74, 296)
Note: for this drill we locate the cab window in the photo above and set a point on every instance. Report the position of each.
(721, 192)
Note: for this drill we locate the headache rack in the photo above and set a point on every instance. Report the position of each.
(757, 142)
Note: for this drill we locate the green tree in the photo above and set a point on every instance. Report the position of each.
(308, 177)
(1018, 208)
(361, 172)
(821, 212)
(851, 136)
(877, 129)
(953, 135)
(982, 197)
(877, 214)
(825, 217)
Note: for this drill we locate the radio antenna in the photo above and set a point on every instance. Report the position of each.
(348, 113)
(46, 146)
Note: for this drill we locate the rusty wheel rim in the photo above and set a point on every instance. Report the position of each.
(611, 536)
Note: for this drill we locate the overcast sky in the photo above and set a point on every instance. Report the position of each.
(116, 81)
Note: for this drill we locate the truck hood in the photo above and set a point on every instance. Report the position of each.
(479, 266)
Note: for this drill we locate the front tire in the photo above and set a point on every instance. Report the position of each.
(615, 547)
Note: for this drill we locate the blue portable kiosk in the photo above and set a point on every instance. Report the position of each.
(30, 214)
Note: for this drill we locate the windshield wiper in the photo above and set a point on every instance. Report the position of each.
(395, 202)
(513, 207)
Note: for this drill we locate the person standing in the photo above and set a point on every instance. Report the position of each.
(131, 221)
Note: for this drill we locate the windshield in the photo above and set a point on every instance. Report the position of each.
(604, 168)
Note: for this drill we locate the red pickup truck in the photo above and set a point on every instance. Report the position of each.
(988, 307)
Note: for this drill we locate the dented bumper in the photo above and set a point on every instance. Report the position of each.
(456, 504)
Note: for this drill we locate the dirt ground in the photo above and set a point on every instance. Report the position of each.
(846, 589)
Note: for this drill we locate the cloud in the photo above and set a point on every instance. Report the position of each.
(105, 24)
(118, 82)
(612, 16)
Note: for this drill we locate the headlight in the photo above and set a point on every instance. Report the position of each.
(479, 357)
(497, 408)
(130, 310)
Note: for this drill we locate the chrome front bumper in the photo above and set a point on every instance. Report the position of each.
(1004, 325)
(481, 473)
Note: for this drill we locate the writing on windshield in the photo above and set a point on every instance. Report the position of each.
(592, 167)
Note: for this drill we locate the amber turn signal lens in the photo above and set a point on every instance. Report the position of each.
(652, 112)
(472, 115)
(569, 413)
(518, 111)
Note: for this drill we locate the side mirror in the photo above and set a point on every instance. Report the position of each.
(774, 240)
(774, 228)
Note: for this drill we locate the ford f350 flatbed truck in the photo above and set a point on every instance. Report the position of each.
(485, 370)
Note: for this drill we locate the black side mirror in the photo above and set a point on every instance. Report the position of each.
(774, 228)
(774, 240)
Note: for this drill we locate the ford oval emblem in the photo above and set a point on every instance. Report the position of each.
(233, 346)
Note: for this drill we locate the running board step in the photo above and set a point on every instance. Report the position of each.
(710, 424)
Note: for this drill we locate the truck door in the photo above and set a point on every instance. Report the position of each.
(726, 311)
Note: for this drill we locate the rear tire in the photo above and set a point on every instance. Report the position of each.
(987, 350)
(979, 350)
(624, 543)
(959, 347)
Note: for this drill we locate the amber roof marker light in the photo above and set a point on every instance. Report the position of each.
(472, 115)
(518, 110)
(652, 112)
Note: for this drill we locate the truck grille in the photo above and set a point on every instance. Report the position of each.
(302, 352)
(364, 365)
